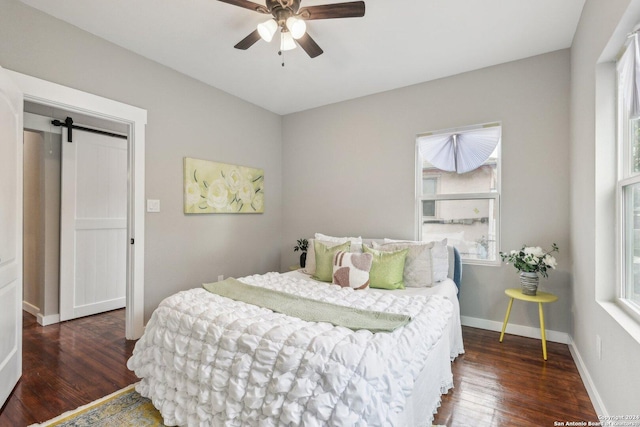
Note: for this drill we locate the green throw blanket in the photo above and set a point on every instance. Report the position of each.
(306, 308)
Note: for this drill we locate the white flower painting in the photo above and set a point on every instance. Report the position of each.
(212, 187)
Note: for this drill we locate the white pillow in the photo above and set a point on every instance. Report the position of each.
(351, 270)
(427, 262)
(356, 242)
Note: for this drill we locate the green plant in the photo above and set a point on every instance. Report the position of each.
(302, 246)
(531, 259)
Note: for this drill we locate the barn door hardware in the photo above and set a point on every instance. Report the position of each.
(68, 123)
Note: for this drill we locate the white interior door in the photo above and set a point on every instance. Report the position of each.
(93, 224)
(10, 235)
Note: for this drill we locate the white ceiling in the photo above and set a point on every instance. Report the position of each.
(397, 43)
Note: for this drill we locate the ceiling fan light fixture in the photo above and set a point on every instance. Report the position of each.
(296, 26)
(291, 20)
(286, 41)
(267, 29)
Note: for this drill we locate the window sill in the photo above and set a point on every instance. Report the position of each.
(481, 262)
(624, 319)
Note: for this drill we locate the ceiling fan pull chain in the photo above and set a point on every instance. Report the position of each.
(281, 51)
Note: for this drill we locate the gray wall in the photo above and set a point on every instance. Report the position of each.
(42, 151)
(41, 222)
(33, 223)
(349, 169)
(617, 375)
(185, 118)
(51, 196)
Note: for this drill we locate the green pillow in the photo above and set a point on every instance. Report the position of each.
(387, 268)
(324, 259)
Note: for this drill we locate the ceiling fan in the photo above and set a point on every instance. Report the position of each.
(290, 19)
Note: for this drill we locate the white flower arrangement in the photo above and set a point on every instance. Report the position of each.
(532, 259)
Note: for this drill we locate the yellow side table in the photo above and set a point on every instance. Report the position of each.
(540, 298)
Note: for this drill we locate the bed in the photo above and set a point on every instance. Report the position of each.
(206, 359)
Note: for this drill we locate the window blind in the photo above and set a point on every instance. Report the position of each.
(460, 152)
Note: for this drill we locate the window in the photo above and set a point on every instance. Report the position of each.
(458, 189)
(628, 188)
(429, 186)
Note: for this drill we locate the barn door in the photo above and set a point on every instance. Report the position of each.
(93, 224)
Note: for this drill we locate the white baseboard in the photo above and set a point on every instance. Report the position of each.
(524, 331)
(42, 320)
(596, 400)
(48, 320)
(30, 308)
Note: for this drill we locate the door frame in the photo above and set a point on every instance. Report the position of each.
(54, 95)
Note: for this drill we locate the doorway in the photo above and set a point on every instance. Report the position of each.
(75, 216)
(74, 101)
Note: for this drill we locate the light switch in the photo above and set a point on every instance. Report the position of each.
(153, 205)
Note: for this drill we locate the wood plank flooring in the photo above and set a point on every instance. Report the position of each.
(68, 365)
(509, 384)
(73, 363)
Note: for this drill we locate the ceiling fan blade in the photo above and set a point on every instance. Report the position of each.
(309, 45)
(248, 41)
(247, 5)
(353, 9)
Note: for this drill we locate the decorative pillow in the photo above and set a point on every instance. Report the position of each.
(324, 259)
(387, 268)
(427, 262)
(351, 270)
(310, 265)
(356, 242)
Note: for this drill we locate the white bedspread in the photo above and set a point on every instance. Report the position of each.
(208, 360)
(446, 288)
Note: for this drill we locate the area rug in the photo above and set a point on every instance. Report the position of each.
(123, 408)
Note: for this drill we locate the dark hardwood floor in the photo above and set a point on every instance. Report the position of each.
(68, 365)
(73, 363)
(509, 384)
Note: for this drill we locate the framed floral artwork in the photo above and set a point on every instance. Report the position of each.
(213, 187)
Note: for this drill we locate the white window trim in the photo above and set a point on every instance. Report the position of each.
(623, 163)
(419, 197)
(629, 307)
(462, 196)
